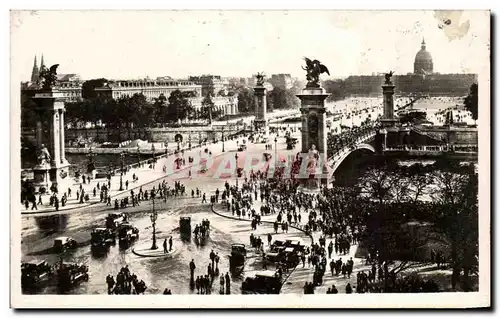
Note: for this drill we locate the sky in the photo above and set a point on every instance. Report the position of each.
(137, 44)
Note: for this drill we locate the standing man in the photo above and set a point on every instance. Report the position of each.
(192, 267)
(170, 243)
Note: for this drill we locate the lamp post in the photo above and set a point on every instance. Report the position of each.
(223, 139)
(154, 217)
(122, 156)
(275, 151)
(236, 157)
(91, 164)
(138, 155)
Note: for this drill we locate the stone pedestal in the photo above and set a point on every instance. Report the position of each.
(50, 135)
(314, 130)
(260, 122)
(388, 119)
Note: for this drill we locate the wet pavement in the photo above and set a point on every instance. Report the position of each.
(39, 232)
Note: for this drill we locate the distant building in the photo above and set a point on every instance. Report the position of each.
(153, 89)
(72, 90)
(214, 84)
(149, 88)
(283, 81)
(423, 80)
(69, 84)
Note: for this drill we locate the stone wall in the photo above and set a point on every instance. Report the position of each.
(165, 135)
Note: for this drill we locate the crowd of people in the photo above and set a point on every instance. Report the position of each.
(126, 283)
(347, 138)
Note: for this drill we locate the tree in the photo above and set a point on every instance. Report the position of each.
(246, 102)
(471, 101)
(336, 89)
(207, 107)
(179, 106)
(160, 109)
(456, 191)
(88, 87)
(280, 98)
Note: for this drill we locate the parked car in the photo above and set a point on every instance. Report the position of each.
(265, 282)
(35, 274)
(64, 243)
(102, 237)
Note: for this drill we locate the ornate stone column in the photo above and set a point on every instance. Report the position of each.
(388, 119)
(62, 136)
(261, 106)
(55, 138)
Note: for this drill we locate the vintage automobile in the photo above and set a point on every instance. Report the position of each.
(113, 220)
(102, 237)
(185, 226)
(242, 147)
(71, 274)
(265, 282)
(35, 274)
(127, 232)
(237, 258)
(64, 243)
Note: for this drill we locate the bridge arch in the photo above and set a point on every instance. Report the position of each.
(335, 162)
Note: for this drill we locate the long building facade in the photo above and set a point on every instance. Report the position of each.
(227, 105)
(423, 80)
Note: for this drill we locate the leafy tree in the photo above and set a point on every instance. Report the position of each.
(179, 106)
(246, 102)
(456, 191)
(207, 108)
(336, 89)
(471, 101)
(88, 87)
(160, 106)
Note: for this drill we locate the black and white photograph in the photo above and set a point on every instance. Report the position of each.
(255, 158)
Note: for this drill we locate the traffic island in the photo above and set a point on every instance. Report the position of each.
(144, 250)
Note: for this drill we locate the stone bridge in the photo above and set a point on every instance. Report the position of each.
(364, 142)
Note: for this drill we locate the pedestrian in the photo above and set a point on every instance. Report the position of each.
(192, 267)
(170, 243)
(165, 251)
(222, 284)
(228, 284)
(40, 199)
